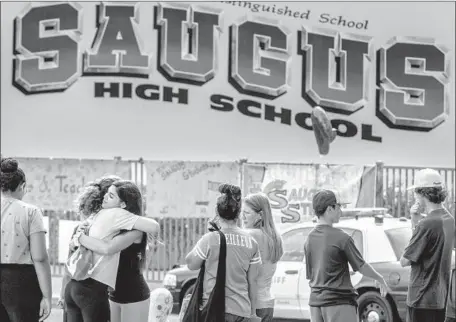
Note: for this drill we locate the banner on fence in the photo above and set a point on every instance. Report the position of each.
(54, 184)
(185, 188)
(290, 187)
(229, 79)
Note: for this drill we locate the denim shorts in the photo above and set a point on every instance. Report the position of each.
(235, 318)
(265, 314)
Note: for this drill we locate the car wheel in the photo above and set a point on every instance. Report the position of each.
(372, 307)
(189, 290)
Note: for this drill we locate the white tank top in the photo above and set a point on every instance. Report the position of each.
(266, 272)
(265, 298)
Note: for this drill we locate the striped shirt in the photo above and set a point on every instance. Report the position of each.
(241, 252)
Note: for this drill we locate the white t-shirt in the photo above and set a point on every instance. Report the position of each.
(107, 223)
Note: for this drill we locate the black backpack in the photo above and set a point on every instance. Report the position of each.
(214, 310)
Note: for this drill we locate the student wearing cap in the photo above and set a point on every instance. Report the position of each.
(429, 251)
(451, 299)
(328, 251)
(450, 312)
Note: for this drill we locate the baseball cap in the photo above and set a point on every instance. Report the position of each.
(427, 178)
(325, 198)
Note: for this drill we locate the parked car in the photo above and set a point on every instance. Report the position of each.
(381, 240)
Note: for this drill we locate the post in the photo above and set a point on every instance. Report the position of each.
(53, 232)
(379, 201)
(316, 181)
(241, 163)
(142, 183)
(117, 160)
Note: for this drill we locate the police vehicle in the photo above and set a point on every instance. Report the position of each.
(381, 240)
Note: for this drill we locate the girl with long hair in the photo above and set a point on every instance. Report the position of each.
(87, 300)
(129, 301)
(257, 218)
(25, 272)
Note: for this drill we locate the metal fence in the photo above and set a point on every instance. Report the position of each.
(180, 234)
(393, 181)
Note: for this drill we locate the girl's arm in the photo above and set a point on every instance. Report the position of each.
(66, 278)
(252, 279)
(193, 261)
(115, 245)
(41, 261)
(147, 225)
(199, 253)
(123, 219)
(43, 270)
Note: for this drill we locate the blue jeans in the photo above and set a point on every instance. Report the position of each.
(265, 314)
(87, 301)
(424, 315)
(234, 318)
(20, 293)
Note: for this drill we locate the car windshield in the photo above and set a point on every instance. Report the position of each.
(399, 239)
(293, 244)
(294, 240)
(357, 238)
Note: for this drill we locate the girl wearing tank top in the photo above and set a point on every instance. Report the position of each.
(129, 300)
(257, 218)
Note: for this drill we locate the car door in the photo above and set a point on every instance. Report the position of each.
(304, 292)
(285, 281)
(396, 275)
(357, 237)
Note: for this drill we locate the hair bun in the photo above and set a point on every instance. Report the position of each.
(9, 165)
(230, 190)
(224, 188)
(236, 192)
(229, 203)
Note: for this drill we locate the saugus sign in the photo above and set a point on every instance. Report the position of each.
(252, 64)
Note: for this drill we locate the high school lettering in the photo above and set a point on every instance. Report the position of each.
(411, 71)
